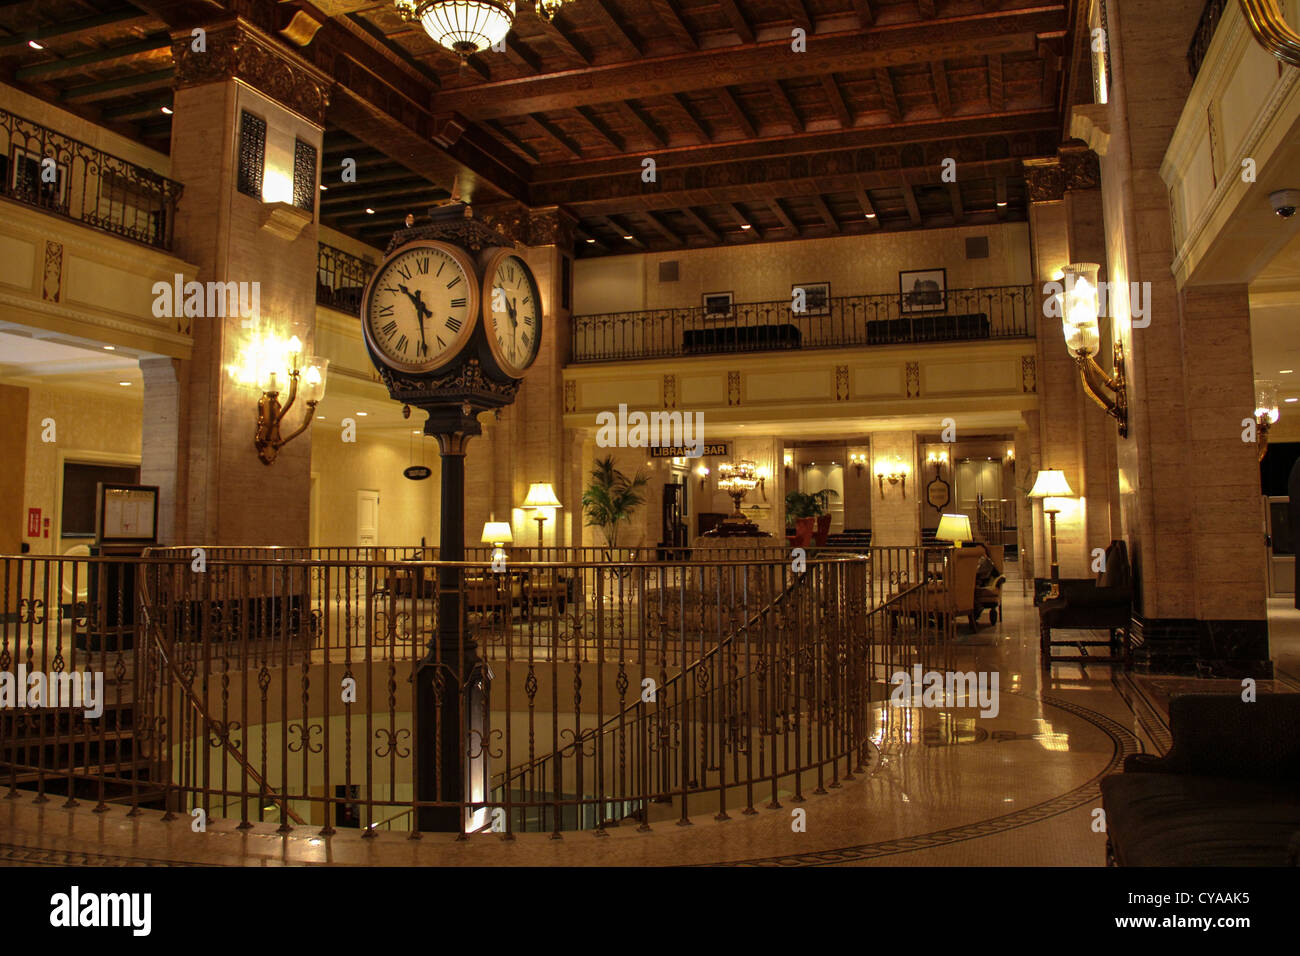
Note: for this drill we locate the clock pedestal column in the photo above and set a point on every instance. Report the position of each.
(450, 684)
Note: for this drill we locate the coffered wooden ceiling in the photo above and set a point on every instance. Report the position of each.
(751, 140)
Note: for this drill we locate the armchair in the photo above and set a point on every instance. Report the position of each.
(1104, 604)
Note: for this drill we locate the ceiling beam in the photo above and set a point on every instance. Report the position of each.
(672, 21)
(997, 95)
(96, 59)
(108, 89)
(744, 221)
(824, 211)
(556, 135)
(511, 139)
(85, 28)
(836, 97)
(926, 8)
(709, 232)
(739, 25)
(625, 42)
(624, 231)
(941, 94)
(687, 118)
(785, 106)
(954, 196)
(663, 230)
(521, 56)
(560, 40)
(413, 186)
(595, 123)
(799, 14)
(866, 15)
(733, 109)
(885, 84)
(909, 199)
(140, 109)
(784, 217)
(643, 124)
(843, 51)
(868, 210)
(1000, 199)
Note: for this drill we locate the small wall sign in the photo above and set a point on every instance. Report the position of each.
(418, 472)
(709, 449)
(938, 493)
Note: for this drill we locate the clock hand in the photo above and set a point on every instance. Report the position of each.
(421, 310)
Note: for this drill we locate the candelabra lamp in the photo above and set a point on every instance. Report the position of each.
(737, 479)
(893, 472)
(1266, 413)
(269, 364)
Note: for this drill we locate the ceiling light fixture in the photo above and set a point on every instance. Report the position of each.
(167, 110)
(547, 9)
(1286, 371)
(1002, 204)
(34, 45)
(110, 348)
(871, 215)
(123, 383)
(591, 240)
(465, 27)
(323, 187)
(369, 211)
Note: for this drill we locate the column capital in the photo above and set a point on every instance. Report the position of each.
(235, 49)
(1073, 167)
(539, 226)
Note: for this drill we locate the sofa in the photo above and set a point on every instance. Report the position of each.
(1226, 794)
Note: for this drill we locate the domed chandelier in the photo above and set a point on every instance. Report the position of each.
(465, 27)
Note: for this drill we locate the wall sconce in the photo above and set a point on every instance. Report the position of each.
(268, 363)
(762, 475)
(1011, 455)
(704, 474)
(938, 459)
(893, 472)
(1266, 413)
(858, 460)
(1080, 307)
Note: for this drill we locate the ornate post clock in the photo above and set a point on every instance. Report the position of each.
(452, 319)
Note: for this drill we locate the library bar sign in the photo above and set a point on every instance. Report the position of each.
(418, 472)
(709, 450)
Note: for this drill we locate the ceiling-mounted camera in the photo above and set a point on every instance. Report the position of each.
(1285, 202)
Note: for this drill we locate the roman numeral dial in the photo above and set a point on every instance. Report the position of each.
(512, 313)
(419, 308)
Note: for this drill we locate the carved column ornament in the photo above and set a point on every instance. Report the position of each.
(1071, 168)
(670, 391)
(733, 388)
(551, 226)
(570, 396)
(1028, 374)
(238, 50)
(52, 280)
(912, 371)
(841, 383)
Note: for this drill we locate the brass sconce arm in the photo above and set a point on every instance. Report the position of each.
(1097, 382)
(270, 413)
(1271, 31)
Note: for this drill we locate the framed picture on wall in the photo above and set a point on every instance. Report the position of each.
(923, 290)
(126, 514)
(717, 305)
(816, 297)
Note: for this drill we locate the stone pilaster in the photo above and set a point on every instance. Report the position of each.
(895, 519)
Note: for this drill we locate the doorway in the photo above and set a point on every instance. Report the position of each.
(367, 519)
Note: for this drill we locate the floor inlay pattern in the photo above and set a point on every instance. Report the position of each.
(1125, 743)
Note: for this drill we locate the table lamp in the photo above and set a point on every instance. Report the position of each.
(497, 533)
(954, 528)
(1049, 484)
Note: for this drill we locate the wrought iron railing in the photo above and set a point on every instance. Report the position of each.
(65, 177)
(340, 279)
(276, 688)
(886, 319)
(1204, 34)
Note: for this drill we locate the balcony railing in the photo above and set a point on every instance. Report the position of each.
(221, 685)
(1204, 34)
(340, 279)
(956, 315)
(43, 168)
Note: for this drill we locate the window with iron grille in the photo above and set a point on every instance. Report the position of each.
(304, 176)
(252, 154)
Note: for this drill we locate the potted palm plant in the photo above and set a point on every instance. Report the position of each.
(612, 498)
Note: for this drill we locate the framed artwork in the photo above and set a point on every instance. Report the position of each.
(126, 514)
(817, 297)
(717, 305)
(924, 290)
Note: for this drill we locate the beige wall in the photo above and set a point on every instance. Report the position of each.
(89, 427)
(408, 509)
(853, 265)
(13, 452)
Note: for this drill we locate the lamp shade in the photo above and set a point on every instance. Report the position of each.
(467, 26)
(541, 495)
(1081, 307)
(1051, 483)
(954, 528)
(497, 532)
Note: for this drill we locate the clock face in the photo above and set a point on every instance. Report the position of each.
(512, 311)
(419, 309)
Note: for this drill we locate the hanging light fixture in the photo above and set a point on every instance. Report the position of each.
(547, 9)
(465, 27)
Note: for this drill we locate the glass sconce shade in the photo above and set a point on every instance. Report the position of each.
(1266, 407)
(1080, 308)
(313, 379)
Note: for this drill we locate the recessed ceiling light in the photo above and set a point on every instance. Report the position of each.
(320, 417)
(1002, 205)
(871, 215)
(591, 240)
(369, 211)
(123, 383)
(1286, 371)
(746, 226)
(110, 348)
(323, 187)
(1292, 400)
(167, 110)
(34, 45)
(362, 414)
(628, 238)
(415, 432)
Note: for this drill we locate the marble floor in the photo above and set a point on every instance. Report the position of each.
(947, 787)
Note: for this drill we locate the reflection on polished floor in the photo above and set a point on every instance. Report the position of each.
(946, 787)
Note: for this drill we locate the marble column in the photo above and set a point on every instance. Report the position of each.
(230, 496)
(895, 517)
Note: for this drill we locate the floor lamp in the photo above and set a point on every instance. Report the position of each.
(540, 497)
(1049, 484)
